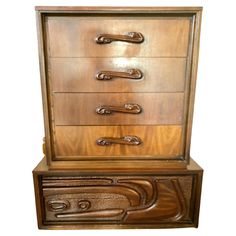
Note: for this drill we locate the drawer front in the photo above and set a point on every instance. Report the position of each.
(76, 36)
(79, 74)
(84, 142)
(118, 199)
(118, 108)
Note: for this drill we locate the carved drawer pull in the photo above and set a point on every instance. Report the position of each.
(130, 37)
(129, 140)
(127, 108)
(129, 74)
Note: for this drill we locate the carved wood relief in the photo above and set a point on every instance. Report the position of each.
(116, 199)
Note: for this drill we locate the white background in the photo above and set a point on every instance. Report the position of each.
(21, 132)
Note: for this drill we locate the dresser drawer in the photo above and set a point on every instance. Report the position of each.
(74, 199)
(80, 74)
(121, 199)
(84, 142)
(118, 108)
(70, 36)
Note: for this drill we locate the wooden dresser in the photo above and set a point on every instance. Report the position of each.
(118, 89)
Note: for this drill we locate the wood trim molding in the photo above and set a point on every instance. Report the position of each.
(192, 85)
(122, 9)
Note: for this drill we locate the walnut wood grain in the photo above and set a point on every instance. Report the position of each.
(79, 142)
(80, 108)
(130, 37)
(70, 36)
(77, 74)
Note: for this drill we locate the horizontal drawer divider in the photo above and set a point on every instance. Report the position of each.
(121, 92)
(122, 57)
(118, 158)
(124, 125)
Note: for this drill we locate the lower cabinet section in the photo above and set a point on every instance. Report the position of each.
(70, 199)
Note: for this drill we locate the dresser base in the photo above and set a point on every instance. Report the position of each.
(70, 199)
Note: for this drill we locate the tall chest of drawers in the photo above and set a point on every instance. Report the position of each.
(118, 90)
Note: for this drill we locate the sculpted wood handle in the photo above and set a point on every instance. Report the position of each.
(127, 108)
(129, 140)
(130, 37)
(129, 74)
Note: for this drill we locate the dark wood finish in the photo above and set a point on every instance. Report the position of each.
(80, 108)
(118, 90)
(70, 36)
(117, 167)
(126, 108)
(79, 142)
(77, 74)
(120, 10)
(128, 199)
(75, 200)
(130, 74)
(126, 140)
(47, 142)
(190, 96)
(130, 37)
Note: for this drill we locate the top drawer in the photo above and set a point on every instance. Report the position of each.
(75, 36)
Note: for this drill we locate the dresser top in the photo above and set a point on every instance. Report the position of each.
(138, 9)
